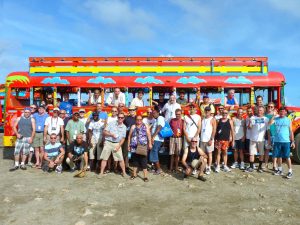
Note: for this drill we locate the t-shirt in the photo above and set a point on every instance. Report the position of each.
(272, 127)
(84, 122)
(239, 126)
(54, 125)
(112, 100)
(248, 130)
(76, 149)
(136, 102)
(53, 150)
(259, 128)
(148, 121)
(66, 106)
(177, 127)
(128, 122)
(40, 120)
(74, 128)
(191, 127)
(160, 121)
(97, 128)
(118, 130)
(203, 106)
(181, 101)
(282, 129)
(111, 119)
(169, 110)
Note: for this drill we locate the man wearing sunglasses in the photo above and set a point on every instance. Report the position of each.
(271, 111)
(192, 124)
(113, 116)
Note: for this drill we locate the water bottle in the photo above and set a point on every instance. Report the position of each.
(129, 155)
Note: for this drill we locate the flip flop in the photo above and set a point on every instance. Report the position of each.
(146, 179)
(132, 177)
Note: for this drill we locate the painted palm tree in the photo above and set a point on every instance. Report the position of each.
(17, 78)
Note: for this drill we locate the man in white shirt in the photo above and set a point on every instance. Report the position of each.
(258, 125)
(54, 124)
(192, 124)
(115, 98)
(169, 108)
(138, 101)
(113, 116)
(95, 97)
(149, 120)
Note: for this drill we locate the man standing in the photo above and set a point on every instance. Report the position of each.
(25, 134)
(73, 128)
(138, 101)
(258, 125)
(193, 125)
(149, 120)
(193, 159)
(38, 141)
(178, 126)
(55, 125)
(156, 140)
(113, 116)
(54, 155)
(114, 134)
(115, 98)
(66, 105)
(271, 111)
(204, 104)
(128, 122)
(181, 100)
(169, 108)
(83, 119)
(94, 98)
(208, 131)
(101, 114)
(259, 102)
(77, 153)
(283, 140)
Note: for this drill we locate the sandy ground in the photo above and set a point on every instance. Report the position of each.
(34, 197)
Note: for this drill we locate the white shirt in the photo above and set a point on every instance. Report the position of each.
(159, 121)
(239, 125)
(169, 110)
(148, 121)
(93, 101)
(54, 125)
(259, 128)
(136, 102)
(206, 129)
(111, 100)
(191, 128)
(97, 128)
(84, 122)
(248, 130)
(111, 119)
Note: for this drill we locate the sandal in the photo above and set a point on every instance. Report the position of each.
(146, 179)
(132, 177)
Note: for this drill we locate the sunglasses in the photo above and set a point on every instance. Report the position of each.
(138, 119)
(194, 141)
(178, 114)
(270, 106)
(114, 111)
(120, 117)
(33, 107)
(131, 110)
(53, 138)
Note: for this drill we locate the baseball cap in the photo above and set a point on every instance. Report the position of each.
(207, 108)
(205, 96)
(81, 110)
(95, 114)
(56, 109)
(75, 113)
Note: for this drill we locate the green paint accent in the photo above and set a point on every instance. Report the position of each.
(17, 78)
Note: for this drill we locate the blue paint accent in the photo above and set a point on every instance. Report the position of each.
(222, 97)
(101, 80)
(238, 80)
(148, 80)
(190, 80)
(142, 74)
(31, 96)
(54, 80)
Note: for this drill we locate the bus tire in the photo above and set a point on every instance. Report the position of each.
(296, 151)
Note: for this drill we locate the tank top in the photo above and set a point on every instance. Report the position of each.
(192, 155)
(25, 126)
(206, 129)
(230, 101)
(223, 131)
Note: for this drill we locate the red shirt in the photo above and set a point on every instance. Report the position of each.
(177, 127)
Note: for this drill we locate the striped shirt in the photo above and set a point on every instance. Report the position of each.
(53, 150)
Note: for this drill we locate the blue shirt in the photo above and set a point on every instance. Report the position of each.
(282, 129)
(118, 130)
(53, 150)
(40, 121)
(101, 116)
(66, 106)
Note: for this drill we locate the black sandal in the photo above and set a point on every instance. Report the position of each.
(146, 179)
(132, 177)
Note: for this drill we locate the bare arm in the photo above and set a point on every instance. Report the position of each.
(214, 127)
(199, 124)
(232, 130)
(15, 127)
(149, 137)
(184, 157)
(129, 136)
(292, 137)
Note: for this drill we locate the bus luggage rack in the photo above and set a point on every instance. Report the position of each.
(192, 65)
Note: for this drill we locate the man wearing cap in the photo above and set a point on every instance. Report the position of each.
(204, 104)
(169, 108)
(73, 128)
(54, 124)
(25, 134)
(181, 100)
(101, 114)
(138, 101)
(115, 98)
(38, 141)
(96, 139)
(83, 119)
(192, 124)
(66, 105)
(128, 122)
(94, 98)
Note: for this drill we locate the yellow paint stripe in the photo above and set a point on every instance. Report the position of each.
(140, 69)
(9, 141)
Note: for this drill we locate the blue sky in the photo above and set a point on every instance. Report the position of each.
(153, 28)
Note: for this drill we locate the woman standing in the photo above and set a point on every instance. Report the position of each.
(139, 137)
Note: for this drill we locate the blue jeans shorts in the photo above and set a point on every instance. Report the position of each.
(281, 150)
(153, 154)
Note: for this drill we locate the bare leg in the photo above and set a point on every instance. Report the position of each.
(289, 163)
(103, 165)
(30, 157)
(41, 155)
(157, 165)
(267, 157)
(176, 162)
(241, 151)
(235, 155)
(209, 159)
(37, 156)
(202, 167)
(24, 158)
(218, 157)
(134, 171)
(145, 173)
(172, 162)
(122, 165)
(225, 157)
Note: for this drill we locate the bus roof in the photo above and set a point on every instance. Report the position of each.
(147, 71)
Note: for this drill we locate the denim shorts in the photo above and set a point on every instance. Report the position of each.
(281, 150)
(153, 154)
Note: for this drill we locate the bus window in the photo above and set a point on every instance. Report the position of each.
(262, 92)
(20, 97)
(133, 93)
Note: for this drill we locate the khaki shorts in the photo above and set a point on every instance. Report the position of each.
(38, 140)
(175, 146)
(108, 149)
(206, 148)
(257, 146)
(96, 148)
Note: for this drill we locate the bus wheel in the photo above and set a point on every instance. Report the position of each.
(296, 151)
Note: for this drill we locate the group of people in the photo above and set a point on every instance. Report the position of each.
(104, 142)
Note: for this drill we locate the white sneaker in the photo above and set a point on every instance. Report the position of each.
(234, 165)
(194, 172)
(226, 169)
(217, 169)
(58, 169)
(207, 171)
(242, 166)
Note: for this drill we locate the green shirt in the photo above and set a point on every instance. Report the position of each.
(272, 127)
(74, 128)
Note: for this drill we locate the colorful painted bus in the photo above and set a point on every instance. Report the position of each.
(197, 76)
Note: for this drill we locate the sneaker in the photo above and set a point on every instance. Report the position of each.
(234, 165)
(289, 175)
(217, 170)
(202, 178)
(260, 170)
(30, 164)
(278, 173)
(14, 168)
(88, 168)
(194, 172)
(226, 169)
(72, 170)
(207, 171)
(249, 170)
(254, 167)
(222, 165)
(157, 172)
(23, 167)
(58, 169)
(242, 166)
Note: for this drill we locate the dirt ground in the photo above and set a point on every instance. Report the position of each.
(34, 197)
